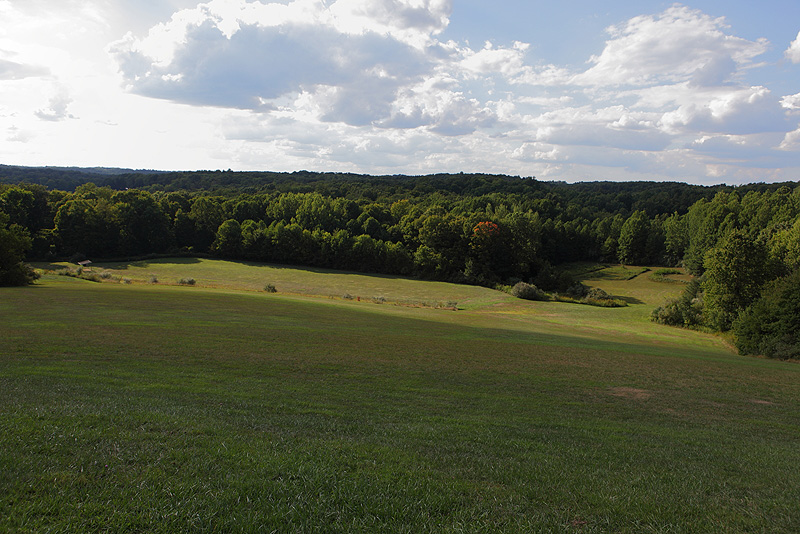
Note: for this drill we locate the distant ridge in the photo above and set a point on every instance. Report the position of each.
(102, 170)
(655, 197)
(86, 170)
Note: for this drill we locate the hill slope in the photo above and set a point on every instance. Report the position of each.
(166, 408)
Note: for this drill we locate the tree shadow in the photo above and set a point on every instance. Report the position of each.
(629, 300)
(325, 270)
(124, 265)
(599, 275)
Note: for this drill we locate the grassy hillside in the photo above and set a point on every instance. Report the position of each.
(161, 408)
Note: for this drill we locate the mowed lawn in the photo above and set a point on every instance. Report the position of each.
(157, 408)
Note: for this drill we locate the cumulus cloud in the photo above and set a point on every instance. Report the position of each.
(246, 55)
(791, 142)
(791, 102)
(735, 111)
(680, 44)
(405, 19)
(793, 52)
(508, 61)
(613, 126)
(57, 110)
(437, 103)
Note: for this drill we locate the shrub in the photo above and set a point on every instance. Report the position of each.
(270, 288)
(577, 290)
(153, 279)
(596, 293)
(126, 280)
(686, 310)
(379, 300)
(186, 281)
(593, 297)
(526, 291)
(79, 273)
(605, 303)
(347, 296)
(105, 275)
(677, 313)
(551, 279)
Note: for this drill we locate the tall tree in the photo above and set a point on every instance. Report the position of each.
(771, 326)
(736, 269)
(632, 245)
(228, 242)
(14, 243)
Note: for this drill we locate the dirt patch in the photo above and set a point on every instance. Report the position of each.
(759, 401)
(631, 393)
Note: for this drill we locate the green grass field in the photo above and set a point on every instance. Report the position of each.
(221, 408)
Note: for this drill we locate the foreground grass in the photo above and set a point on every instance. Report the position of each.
(164, 409)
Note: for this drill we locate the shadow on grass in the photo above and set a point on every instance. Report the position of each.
(124, 265)
(614, 272)
(323, 270)
(117, 263)
(35, 285)
(600, 275)
(629, 300)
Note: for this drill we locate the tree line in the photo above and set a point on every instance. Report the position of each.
(477, 229)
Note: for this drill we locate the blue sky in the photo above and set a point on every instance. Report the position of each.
(703, 92)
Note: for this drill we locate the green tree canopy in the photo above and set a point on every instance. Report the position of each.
(14, 243)
(228, 242)
(771, 326)
(632, 244)
(736, 270)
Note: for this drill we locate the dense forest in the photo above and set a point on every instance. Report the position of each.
(741, 243)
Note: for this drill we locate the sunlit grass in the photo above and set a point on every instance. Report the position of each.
(220, 274)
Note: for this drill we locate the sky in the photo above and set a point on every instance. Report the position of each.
(705, 91)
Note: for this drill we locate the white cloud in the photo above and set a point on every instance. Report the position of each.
(409, 20)
(507, 61)
(235, 54)
(613, 126)
(793, 52)
(537, 152)
(791, 142)
(679, 45)
(436, 103)
(57, 110)
(729, 110)
(791, 102)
